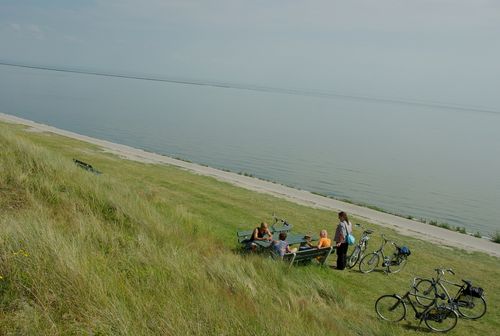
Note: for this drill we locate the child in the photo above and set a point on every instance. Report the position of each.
(324, 241)
(280, 247)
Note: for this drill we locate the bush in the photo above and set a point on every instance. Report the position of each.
(496, 237)
(444, 226)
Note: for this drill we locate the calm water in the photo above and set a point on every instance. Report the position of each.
(427, 162)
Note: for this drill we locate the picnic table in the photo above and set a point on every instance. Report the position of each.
(291, 239)
(320, 254)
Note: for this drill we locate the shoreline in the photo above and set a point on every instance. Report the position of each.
(404, 226)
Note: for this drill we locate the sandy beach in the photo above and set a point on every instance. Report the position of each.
(402, 225)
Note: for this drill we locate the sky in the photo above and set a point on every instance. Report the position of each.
(445, 51)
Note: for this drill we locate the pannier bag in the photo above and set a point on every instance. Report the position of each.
(474, 291)
(404, 251)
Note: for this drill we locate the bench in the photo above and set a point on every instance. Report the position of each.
(246, 235)
(86, 166)
(307, 255)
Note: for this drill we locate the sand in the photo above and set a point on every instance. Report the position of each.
(402, 225)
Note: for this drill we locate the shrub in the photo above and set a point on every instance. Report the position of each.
(444, 226)
(496, 237)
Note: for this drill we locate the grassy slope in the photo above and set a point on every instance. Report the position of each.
(148, 249)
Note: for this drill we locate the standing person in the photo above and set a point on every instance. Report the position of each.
(343, 229)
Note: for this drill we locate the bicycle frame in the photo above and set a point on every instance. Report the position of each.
(363, 242)
(360, 248)
(380, 250)
(392, 263)
(418, 315)
(381, 253)
(441, 281)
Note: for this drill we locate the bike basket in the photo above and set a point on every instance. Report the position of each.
(404, 251)
(474, 291)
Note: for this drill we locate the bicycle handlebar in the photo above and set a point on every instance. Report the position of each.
(282, 220)
(385, 239)
(441, 271)
(365, 230)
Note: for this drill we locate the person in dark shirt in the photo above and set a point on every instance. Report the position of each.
(261, 232)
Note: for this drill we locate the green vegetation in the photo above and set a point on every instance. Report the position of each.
(151, 249)
(496, 237)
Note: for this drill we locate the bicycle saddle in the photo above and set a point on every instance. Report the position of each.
(467, 282)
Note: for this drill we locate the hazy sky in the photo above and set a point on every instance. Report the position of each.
(433, 50)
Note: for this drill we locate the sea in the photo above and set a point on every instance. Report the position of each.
(424, 161)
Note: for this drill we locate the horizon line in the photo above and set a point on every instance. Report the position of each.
(258, 88)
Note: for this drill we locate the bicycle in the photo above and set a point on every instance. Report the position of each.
(392, 308)
(285, 225)
(468, 301)
(360, 248)
(393, 264)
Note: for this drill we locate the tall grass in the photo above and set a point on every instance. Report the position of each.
(147, 249)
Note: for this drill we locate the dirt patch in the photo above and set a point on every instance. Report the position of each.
(12, 198)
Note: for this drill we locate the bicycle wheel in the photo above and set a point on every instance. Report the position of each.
(441, 319)
(424, 292)
(354, 257)
(471, 307)
(369, 262)
(397, 263)
(390, 308)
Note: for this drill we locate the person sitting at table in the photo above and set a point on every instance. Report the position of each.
(324, 241)
(280, 247)
(259, 233)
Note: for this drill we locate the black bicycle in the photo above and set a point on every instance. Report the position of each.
(360, 248)
(436, 317)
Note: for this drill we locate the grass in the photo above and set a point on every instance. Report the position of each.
(149, 249)
(496, 237)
